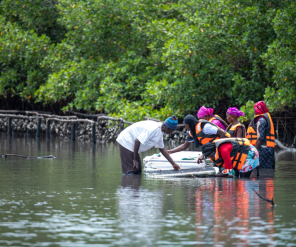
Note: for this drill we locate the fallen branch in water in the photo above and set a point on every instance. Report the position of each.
(265, 199)
(28, 157)
(206, 234)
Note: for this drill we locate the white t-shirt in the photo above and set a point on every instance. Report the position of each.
(208, 129)
(147, 132)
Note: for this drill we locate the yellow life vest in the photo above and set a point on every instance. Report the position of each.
(231, 129)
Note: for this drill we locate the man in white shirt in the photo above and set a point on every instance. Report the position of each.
(140, 137)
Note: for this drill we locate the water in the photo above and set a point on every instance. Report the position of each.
(82, 199)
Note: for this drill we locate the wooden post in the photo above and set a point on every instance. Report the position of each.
(121, 125)
(38, 128)
(94, 133)
(47, 129)
(9, 128)
(277, 128)
(28, 131)
(73, 126)
(286, 128)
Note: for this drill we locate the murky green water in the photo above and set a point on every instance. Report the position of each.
(82, 199)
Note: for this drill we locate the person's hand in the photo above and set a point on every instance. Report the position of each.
(200, 159)
(176, 167)
(136, 165)
(169, 151)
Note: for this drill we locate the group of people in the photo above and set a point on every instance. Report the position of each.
(235, 150)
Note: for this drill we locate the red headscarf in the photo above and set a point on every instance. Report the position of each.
(260, 108)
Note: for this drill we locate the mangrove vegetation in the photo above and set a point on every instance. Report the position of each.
(137, 58)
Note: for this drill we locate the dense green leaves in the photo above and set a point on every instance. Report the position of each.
(149, 58)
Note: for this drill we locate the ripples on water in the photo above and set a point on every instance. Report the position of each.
(81, 199)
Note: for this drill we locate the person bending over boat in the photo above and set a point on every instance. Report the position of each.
(261, 134)
(236, 128)
(140, 137)
(236, 156)
(207, 114)
(200, 132)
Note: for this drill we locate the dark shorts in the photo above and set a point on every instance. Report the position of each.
(127, 157)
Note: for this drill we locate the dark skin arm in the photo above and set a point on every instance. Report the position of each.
(169, 158)
(239, 132)
(136, 151)
(163, 151)
(221, 134)
(180, 148)
(258, 144)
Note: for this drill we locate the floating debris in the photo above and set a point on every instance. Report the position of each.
(29, 157)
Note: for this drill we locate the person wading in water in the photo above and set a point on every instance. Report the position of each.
(200, 132)
(261, 134)
(140, 137)
(236, 128)
(236, 156)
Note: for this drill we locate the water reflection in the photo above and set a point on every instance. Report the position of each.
(233, 213)
(138, 209)
(81, 199)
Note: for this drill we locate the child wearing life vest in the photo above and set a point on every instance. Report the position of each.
(236, 128)
(237, 156)
(207, 114)
(261, 134)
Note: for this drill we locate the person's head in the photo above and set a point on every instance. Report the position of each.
(208, 150)
(189, 122)
(205, 113)
(170, 125)
(230, 118)
(233, 113)
(260, 108)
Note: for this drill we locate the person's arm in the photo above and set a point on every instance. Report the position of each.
(209, 129)
(258, 144)
(221, 133)
(239, 132)
(169, 158)
(136, 151)
(261, 128)
(180, 148)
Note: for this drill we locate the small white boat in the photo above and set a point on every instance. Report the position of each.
(157, 165)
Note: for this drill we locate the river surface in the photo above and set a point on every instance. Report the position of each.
(81, 198)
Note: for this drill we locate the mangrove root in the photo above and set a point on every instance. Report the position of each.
(265, 199)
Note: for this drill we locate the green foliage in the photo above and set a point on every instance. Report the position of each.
(149, 58)
(20, 54)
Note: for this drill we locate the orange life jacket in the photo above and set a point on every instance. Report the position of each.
(204, 138)
(217, 117)
(238, 154)
(269, 140)
(231, 129)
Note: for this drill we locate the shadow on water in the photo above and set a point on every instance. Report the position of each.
(81, 199)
